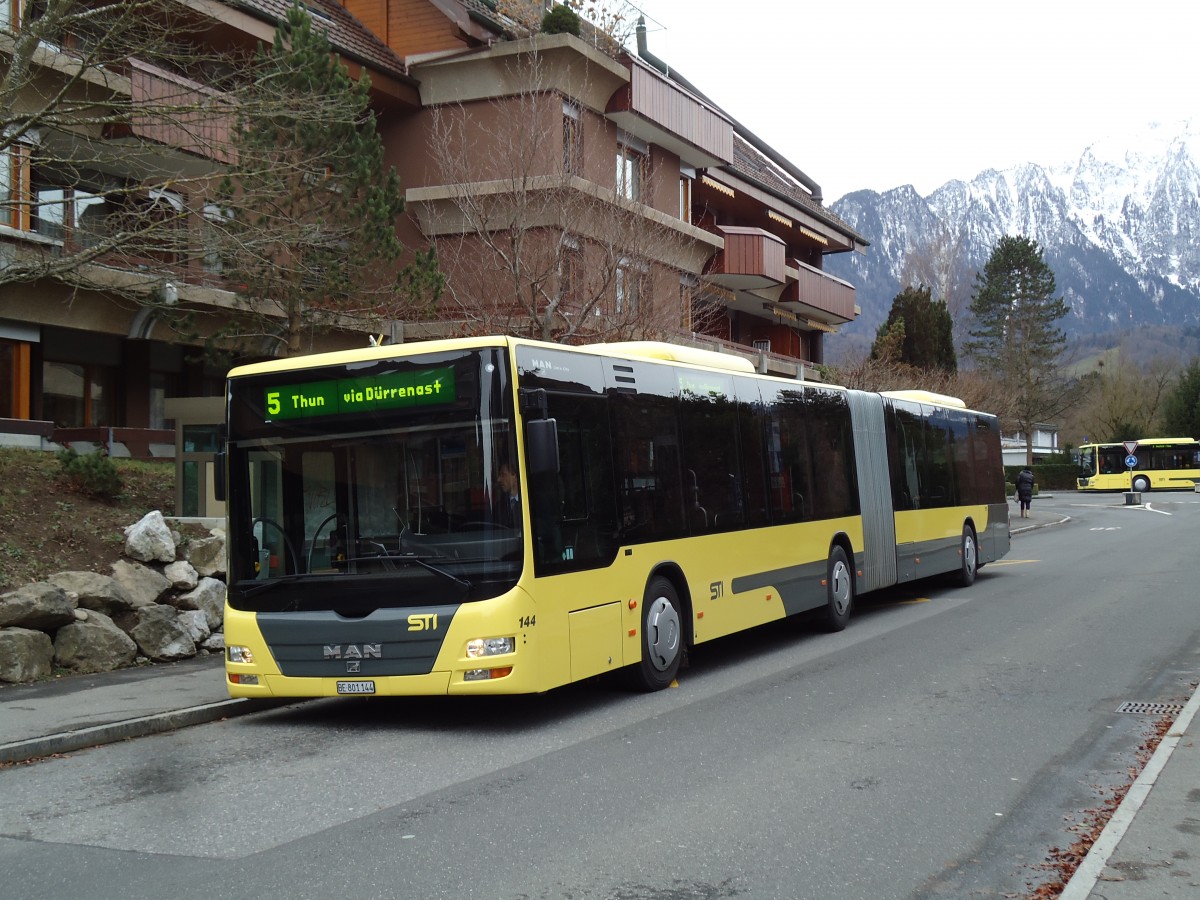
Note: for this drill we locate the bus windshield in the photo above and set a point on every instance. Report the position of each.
(384, 486)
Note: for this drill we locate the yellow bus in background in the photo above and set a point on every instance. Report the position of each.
(496, 515)
(1160, 464)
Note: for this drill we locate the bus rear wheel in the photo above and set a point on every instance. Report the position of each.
(839, 590)
(1141, 484)
(662, 637)
(969, 564)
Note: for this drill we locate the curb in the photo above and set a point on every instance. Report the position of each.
(68, 741)
(1089, 871)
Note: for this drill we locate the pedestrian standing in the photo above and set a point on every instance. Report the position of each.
(1025, 490)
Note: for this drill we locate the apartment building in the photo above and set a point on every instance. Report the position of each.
(641, 209)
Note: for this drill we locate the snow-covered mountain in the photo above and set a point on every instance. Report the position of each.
(1120, 228)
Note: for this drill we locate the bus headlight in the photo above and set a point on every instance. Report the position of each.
(239, 654)
(480, 647)
(486, 674)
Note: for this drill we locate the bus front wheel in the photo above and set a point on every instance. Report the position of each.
(1141, 484)
(662, 637)
(839, 590)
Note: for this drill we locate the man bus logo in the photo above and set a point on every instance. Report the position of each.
(353, 651)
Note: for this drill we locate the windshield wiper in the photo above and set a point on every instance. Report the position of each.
(261, 587)
(391, 559)
(437, 570)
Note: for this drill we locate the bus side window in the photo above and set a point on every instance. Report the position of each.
(573, 513)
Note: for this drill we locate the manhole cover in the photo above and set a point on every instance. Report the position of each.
(1150, 709)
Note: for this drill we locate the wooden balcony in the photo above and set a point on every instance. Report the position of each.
(813, 291)
(752, 259)
(660, 112)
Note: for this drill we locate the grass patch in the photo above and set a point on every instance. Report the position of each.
(49, 525)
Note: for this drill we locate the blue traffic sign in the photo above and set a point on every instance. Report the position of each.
(1130, 461)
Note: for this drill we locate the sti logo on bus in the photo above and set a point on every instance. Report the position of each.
(422, 622)
(353, 651)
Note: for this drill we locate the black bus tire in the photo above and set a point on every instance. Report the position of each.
(969, 557)
(662, 637)
(839, 590)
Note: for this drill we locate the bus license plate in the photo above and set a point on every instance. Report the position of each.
(356, 687)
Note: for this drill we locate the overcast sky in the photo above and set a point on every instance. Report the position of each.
(880, 93)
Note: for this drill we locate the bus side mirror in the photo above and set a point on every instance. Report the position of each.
(219, 475)
(541, 446)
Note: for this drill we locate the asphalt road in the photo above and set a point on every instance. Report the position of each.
(939, 747)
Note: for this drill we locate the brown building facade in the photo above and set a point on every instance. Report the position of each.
(571, 194)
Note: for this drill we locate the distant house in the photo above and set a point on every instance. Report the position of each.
(1045, 443)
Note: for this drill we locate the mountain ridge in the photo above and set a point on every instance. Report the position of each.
(1120, 227)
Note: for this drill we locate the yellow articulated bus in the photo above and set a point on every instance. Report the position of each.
(496, 515)
(1158, 464)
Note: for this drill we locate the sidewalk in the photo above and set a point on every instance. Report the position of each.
(1147, 850)
(78, 711)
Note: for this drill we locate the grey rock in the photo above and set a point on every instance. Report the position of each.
(207, 555)
(182, 575)
(150, 539)
(208, 596)
(94, 591)
(158, 632)
(41, 606)
(196, 624)
(96, 645)
(25, 654)
(143, 584)
(215, 643)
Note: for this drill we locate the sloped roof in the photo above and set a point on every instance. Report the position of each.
(753, 166)
(347, 35)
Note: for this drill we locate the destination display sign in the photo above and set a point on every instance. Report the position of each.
(343, 396)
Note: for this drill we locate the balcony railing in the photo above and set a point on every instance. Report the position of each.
(764, 361)
(821, 292)
(751, 259)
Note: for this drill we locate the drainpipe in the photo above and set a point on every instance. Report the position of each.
(644, 51)
(750, 138)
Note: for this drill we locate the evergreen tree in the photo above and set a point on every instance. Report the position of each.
(307, 215)
(927, 336)
(889, 342)
(1015, 338)
(1181, 412)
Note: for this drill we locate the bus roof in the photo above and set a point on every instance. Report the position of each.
(675, 353)
(926, 397)
(651, 350)
(658, 350)
(1140, 442)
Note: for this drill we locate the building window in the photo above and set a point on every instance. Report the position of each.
(14, 187)
(630, 283)
(572, 139)
(216, 219)
(10, 11)
(685, 197)
(569, 266)
(74, 395)
(631, 167)
(162, 386)
(687, 299)
(109, 218)
(48, 216)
